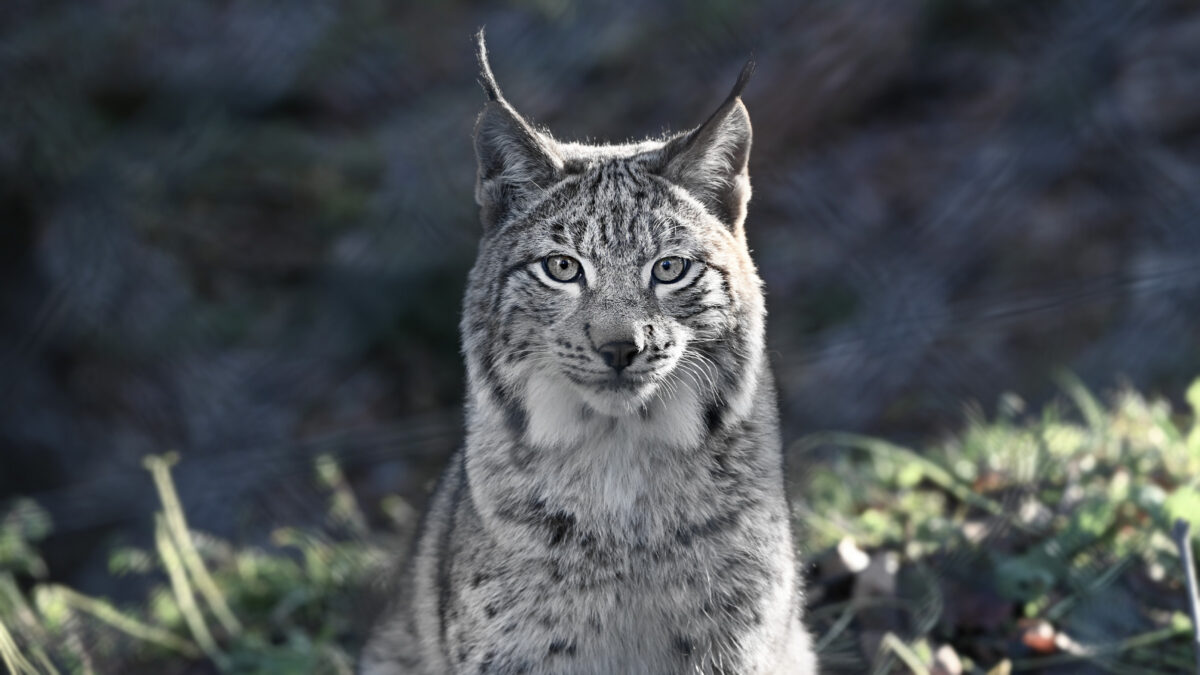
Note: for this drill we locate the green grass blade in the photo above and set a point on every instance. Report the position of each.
(24, 616)
(1089, 407)
(184, 594)
(11, 654)
(905, 654)
(134, 628)
(160, 469)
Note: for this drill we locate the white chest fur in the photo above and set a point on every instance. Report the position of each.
(627, 477)
(618, 461)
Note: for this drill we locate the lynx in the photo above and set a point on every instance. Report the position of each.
(618, 506)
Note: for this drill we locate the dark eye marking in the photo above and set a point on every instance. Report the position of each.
(670, 269)
(562, 268)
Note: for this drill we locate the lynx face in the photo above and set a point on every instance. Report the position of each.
(611, 277)
(617, 288)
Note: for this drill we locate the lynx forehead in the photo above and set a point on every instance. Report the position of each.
(618, 506)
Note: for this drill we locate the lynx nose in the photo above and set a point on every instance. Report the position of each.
(618, 355)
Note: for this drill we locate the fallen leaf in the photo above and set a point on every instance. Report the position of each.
(1040, 637)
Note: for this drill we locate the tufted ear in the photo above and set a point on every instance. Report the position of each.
(711, 161)
(516, 161)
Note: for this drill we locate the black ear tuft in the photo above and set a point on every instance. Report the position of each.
(711, 161)
(516, 162)
(485, 68)
(742, 80)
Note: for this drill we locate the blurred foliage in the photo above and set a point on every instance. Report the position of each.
(293, 606)
(21, 527)
(1051, 525)
(1060, 520)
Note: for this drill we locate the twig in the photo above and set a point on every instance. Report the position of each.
(1182, 533)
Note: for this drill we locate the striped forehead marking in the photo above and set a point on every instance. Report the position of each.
(616, 210)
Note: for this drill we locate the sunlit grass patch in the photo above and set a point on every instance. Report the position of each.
(1025, 542)
(1028, 542)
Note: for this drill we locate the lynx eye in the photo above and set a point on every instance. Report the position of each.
(670, 269)
(562, 268)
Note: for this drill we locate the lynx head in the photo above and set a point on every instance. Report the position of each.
(612, 279)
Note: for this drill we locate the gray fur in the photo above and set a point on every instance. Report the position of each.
(595, 522)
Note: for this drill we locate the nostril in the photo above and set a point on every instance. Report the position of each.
(618, 355)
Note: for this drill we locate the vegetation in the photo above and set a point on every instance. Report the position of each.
(291, 607)
(1027, 543)
(1022, 544)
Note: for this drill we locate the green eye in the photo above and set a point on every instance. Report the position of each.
(562, 268)
(670, 269)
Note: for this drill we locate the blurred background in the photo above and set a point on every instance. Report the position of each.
(241, 230)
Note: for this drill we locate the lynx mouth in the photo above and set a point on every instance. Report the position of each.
(622, 382)
(612, 381)
(617, 395)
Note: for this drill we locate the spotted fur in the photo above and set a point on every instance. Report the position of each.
(605, 521)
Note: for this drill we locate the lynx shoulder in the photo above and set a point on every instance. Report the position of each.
(618, 506)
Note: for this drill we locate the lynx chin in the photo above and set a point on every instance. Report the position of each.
(618, 506)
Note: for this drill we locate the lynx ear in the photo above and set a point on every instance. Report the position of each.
(516, 162)
(711, 161)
